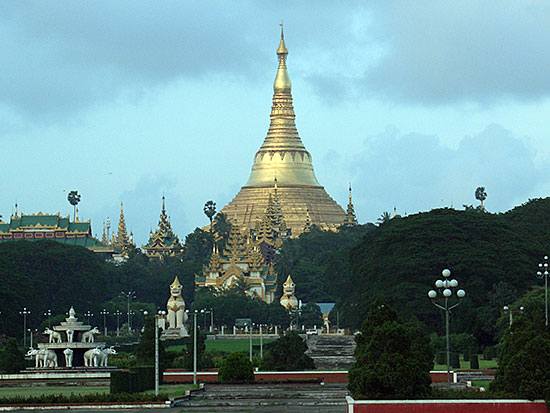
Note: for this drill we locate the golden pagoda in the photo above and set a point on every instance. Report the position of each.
(284, 164)
(351, 219)
(163, 242)
(122, 242)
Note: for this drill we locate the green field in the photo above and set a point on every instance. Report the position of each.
(465, 365)
(230, 345)
(170, 389)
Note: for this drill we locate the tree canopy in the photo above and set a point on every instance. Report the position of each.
(287, 353)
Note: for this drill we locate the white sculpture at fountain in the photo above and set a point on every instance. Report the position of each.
(176, 315)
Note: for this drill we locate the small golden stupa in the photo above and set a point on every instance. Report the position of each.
(284, 165)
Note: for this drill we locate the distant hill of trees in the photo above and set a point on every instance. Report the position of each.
(493, 256)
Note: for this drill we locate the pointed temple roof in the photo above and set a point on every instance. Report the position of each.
(351, 219)
(283, 162)
(163, 242)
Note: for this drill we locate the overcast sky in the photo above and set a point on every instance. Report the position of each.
(416, 103)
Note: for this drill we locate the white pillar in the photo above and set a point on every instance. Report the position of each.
(234, 330)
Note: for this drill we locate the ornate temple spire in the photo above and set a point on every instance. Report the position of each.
(15, 213)
(104, 235)
(351, 219)
(282, 154)
(163, 242)
(122, 236)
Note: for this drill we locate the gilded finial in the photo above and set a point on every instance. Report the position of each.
(16, 209)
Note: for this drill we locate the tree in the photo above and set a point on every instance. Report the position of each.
(210, 210)
(222, 228)
(385, 217)
(481, 196)
(236, 367)
(74, 199)
(204, 361)
(145, 351)
(523, 365)
(12, 360)
(393, 359)
(288, 353)
(311, 315)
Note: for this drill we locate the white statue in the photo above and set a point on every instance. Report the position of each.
(36, 354)
(102, 357)
(88, 336)
(70, 336)
(176, 307)
(49, 358)
(55, 337)
(72, 314)
(68, 357)
(91, 357)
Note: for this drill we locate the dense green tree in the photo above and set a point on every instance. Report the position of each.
(222, 229)
(145, 351)
(287, 353)
(236, 367)
(204, 361)
(12, 360)
(393, 359)
(311, 316)
(524, 368)
(481, 196)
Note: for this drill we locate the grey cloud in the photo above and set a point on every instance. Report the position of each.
(417, 173)
(441, 52)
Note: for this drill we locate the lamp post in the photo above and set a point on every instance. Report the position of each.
(104, 313)
(544, 274)
(24, 313)
(250, 326)
(48, 314)
(509, 309)
(118, 314)
(130, 295)
(261, 343)
(446, 288)
(211, 320)
(88, 314)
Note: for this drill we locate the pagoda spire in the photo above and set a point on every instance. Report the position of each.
(104, 235)
(122, 235)
(282, 138)
(351, 219)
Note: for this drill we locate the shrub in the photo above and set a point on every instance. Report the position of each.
(441, 357)
(288, 353)
(474, 362)
(455, 360)
(236, 367)
(393, 359)
(12, 360)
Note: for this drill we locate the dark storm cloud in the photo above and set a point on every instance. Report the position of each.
(416, 172)
(481, 51)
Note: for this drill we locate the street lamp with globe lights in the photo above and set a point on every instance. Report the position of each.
(508, 309)
(446, 288)
(25, 313)
(48, 314)
(540, 274)
(117, 313)
(104, 313)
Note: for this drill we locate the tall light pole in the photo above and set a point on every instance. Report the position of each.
(261, 344)
(211, 320)
(509, 309)
(117, 313)
(48, 314)
(250, 326)
(24, 313)
(130, 295)
(446, 288)
(158, 316)
(88, 315)
(104, 313)
(540, 274)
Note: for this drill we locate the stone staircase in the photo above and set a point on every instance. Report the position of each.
(331, 352)
(269, 398)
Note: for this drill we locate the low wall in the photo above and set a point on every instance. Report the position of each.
(182, 376)
(446, 406)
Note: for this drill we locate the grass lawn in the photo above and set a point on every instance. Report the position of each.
(171, 389)
(465, 365)
(229, 345)
(484, 384)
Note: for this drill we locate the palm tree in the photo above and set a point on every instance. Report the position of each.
(222, 227)
(210, 210)
(385, 217)
(74, 199)
(481, 196)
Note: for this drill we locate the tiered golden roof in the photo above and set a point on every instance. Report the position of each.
(122, 241)
(283, 162)
(351, 219)
(163, 242)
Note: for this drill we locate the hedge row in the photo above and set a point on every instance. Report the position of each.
(135, 380)
(86, 398)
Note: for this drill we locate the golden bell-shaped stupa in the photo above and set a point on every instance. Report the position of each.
(283, 165)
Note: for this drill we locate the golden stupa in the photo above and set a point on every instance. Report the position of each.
(282, 167)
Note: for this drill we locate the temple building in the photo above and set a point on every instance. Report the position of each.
(163, 242)
(283, 163)
(51, 227)
(121, 241)
(351, 219)
(243, 264)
